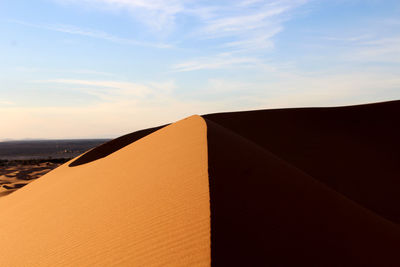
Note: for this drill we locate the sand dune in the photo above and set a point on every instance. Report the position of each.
(16, 176)
(146, 205)
(354, 150)
(288, 187)
(267, 212)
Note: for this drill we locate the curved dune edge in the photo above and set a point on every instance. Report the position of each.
(265, 212)
(354, 150)
(112, 146)
(145, 205)
(289, 187)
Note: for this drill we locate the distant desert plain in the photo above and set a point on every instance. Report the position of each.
(21, 162)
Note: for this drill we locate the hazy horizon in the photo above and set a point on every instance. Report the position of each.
(102, 68)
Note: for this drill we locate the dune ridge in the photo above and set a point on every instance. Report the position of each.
(353, 149)
(147, 205)
(285, 187)
(265, 212)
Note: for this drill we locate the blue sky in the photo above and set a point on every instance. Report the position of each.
(103, 68)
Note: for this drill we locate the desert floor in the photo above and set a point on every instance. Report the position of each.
(18, 174)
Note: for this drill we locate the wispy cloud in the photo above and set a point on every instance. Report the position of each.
(380, 50)
(106, 90)
(370, 47)
(356, 38)
(111, 90)
(74, 30)
(234, 22)
(157, 14)
(216, 62)
(77, 71)
(248, 24)
(264, 41)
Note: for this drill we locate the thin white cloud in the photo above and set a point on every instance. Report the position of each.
(249, 2)
(94, 72)
(238, 24)
(241, 28)
(370, 48)
(157, 14)
(249, 24)
(380, 50)
(110, 90)
(260, 42)
(77, 71)
(227, 87)
(356, 38)
(216, 62)
(74, 30)
(376, 41)
(383, 41)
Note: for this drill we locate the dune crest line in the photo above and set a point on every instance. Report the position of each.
(283, 187)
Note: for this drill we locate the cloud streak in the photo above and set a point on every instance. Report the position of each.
(370, 48)
(216, 62)
(111, 90)
(157, 14)
(248, 24)
(380, 50)
(74, 30)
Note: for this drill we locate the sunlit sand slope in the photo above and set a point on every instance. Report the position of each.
(147, 204)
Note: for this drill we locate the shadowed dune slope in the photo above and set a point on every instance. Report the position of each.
(112, 146)
(146, 204)
(265, 212)
(354, 150)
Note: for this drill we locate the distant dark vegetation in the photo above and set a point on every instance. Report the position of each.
(46, 150)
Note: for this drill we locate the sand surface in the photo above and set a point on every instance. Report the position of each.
(286, 187)
(354, 150)
(266, 212)
(144, 205)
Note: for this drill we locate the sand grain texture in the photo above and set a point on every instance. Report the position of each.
(145, 205)
(286, 187)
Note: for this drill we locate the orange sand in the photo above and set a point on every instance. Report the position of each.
(288, 187)
(144, 205)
